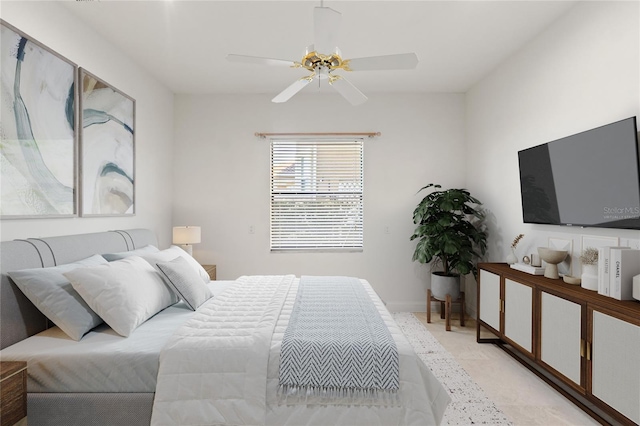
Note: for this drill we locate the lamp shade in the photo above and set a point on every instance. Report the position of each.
(186, 234)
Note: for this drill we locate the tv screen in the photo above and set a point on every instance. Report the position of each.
(588, 179)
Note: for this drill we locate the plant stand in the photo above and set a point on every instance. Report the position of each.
(445, 308)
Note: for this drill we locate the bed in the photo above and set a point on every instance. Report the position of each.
(107, 379)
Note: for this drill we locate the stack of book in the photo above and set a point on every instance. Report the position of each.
(616, 268)
(533, 270)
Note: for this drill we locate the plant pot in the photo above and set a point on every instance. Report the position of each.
(441, 285)
(590, 277)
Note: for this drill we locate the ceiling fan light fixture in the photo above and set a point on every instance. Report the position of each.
(321, 62)
(313, 60)
(323, 72)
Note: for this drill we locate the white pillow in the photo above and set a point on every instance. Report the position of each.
(125, 293)
(185, 282)
(173, 252)
(137, 252)
(52, 293)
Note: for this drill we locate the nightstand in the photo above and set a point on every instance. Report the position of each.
(211, 270)
(13, 393)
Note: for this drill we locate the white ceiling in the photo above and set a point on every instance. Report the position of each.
(184, 43)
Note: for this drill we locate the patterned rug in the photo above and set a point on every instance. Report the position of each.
(469, 405)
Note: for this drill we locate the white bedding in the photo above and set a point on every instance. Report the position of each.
(213, 369)
(102, 361)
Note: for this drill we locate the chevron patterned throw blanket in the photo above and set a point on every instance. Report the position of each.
(337, 348)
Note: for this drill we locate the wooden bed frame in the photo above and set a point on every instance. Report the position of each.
(20, 319)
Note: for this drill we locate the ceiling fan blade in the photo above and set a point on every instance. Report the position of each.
(401, 61)
(348, 90)
(326, 25)
(297, 86)
(261, 61)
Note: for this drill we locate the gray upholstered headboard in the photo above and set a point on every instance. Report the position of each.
(19, 318)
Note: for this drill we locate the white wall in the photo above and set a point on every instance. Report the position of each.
(54, 26)
(581, 73)
(222, 180)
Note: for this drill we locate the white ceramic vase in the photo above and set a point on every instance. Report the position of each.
(512, 258)
(590, 277)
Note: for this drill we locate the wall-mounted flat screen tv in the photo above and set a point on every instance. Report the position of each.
(590, 179)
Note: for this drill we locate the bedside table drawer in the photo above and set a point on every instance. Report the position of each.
(13, 393)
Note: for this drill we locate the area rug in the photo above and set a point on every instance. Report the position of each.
(469, 405)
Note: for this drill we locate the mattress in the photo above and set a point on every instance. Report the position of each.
(102, 361)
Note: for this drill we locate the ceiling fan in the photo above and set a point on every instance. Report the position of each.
(323, 58)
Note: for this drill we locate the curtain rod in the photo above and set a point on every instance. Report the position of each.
(369, 134)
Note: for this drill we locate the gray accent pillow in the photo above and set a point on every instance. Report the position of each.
(52, 293)
(185, 282)
(137, 252)
(173, 252)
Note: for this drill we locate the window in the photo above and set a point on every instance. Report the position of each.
(316, 194)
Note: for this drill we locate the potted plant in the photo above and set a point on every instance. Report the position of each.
(449, 230)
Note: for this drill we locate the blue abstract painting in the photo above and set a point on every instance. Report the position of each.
(107, 152)
(37, 129)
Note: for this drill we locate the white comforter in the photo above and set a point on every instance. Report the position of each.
(221, 367)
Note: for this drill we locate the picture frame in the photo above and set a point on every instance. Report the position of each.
(39, 139)
(598, 241)
(107, 148)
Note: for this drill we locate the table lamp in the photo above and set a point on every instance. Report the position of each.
(186, 236)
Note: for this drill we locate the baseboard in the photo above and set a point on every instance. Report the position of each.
(472, 313)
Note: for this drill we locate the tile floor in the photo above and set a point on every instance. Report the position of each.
(520, 394)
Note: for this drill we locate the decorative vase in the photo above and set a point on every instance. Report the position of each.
(441, 285)
(552, 257)
(511, 257)
(590, 277)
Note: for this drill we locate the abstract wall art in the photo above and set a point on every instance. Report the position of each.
(37, 129)
(107, 149)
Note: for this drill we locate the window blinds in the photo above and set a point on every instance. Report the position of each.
(316, 194)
